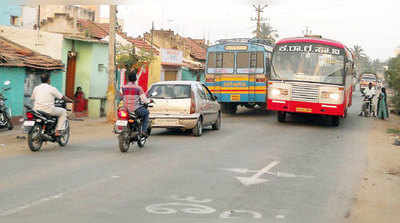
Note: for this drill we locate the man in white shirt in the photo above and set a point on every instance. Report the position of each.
(369, 93)
(44, 96)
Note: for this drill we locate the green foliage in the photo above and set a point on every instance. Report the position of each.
(128, 57)
(393, 78)
(393, 131)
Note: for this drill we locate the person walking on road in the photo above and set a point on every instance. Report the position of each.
(383, 112)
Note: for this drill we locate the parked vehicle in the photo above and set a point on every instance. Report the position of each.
(41, 127)
(238, 71)
(311, 75)
(185, 105)
(128, 128)
(5, 112)
(366, 79)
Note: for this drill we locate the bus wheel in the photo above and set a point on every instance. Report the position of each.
(335, 121)
(232, 109)
(281, 116)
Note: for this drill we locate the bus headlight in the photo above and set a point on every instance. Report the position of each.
(331, 96)
(278, 93)
(275, 92)
(334, 96)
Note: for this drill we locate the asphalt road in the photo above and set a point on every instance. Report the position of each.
(300, 171)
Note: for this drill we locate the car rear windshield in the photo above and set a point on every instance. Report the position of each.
(170, 91)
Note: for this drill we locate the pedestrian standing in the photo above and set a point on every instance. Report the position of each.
(383, 112)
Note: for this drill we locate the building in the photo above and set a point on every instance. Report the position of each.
(23, 67)
(10, 15)
(397, 51)
(181, 58)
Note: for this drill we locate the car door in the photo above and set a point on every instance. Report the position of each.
(212, 105)
(202, 103)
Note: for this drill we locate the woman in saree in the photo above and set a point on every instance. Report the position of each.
(383, 112)
(80, 103)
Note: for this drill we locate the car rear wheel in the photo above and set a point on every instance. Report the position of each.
(198, 130)
(217, 124)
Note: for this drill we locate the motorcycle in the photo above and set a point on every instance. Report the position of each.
(5, 113)
(128, 127)
(366, 106)
(41, 127)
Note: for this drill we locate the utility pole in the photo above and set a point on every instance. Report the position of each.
(111, 113)
(259, 9)
(152, 39)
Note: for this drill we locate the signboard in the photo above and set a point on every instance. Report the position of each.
(310, 48)
(171, 57)
(236, 47)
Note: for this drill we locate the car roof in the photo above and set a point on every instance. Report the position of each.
(177, 82)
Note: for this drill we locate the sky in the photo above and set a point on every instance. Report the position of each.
(370, 23)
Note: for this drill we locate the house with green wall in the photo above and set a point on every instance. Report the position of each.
(23, 67)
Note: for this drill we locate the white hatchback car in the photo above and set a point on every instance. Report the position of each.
(184, 105)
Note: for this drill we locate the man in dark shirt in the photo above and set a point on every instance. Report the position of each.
(134, 99)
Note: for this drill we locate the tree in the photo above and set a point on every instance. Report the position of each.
(267, 32)
(127, 56)
(359, 57)
(392, 76)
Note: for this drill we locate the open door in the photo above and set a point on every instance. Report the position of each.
(70, 78)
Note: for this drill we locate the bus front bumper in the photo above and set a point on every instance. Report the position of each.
(306, 107)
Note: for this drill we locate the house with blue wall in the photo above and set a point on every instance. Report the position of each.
(10, 15)
(23, 67)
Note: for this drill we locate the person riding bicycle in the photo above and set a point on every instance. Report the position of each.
(44, 96)
(369, 94)
(134, 99)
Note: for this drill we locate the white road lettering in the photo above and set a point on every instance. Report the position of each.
(231, 213)
(190, 208)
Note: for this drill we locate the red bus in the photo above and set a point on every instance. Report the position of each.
(311, 75)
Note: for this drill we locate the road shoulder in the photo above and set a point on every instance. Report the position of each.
(14, 142)
(378, 198)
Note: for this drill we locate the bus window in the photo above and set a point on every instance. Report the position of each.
(219, 60)
(211, 60)
(257, 62)
(260, 60)
(242, 60)
(228, 60)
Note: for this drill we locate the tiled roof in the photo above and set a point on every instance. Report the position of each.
(196, 51)
(95, 30)
(14, 55)
(101, 30)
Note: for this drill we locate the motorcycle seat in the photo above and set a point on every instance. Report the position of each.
(46, 115)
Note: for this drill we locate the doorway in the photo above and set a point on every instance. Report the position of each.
(70, 77)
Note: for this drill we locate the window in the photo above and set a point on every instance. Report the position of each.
(228, 60)
(14, 20)
(212, 60)
(242, 60)
(206, 92)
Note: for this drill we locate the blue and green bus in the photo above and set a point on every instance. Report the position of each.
(237, 72)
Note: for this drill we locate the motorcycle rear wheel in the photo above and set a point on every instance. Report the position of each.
(35, 140)
(124, 142)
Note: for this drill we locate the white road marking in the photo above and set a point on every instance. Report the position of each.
(190, 199)
(280, 216)
(12, 211)
(228, 214)
(26, 206)
(190, 208)
(255, 179)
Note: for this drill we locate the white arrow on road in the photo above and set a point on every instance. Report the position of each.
(255, 179)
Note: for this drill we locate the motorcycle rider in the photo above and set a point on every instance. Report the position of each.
(369, 93)
(134, 97)
(44, 96)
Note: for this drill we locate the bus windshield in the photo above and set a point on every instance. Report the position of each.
(308, 66)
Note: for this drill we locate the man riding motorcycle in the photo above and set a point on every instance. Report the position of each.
(134, 97)
(44, 96)
(369, 93)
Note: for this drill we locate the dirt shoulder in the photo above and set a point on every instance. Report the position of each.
(378, 199)
(82, 131)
